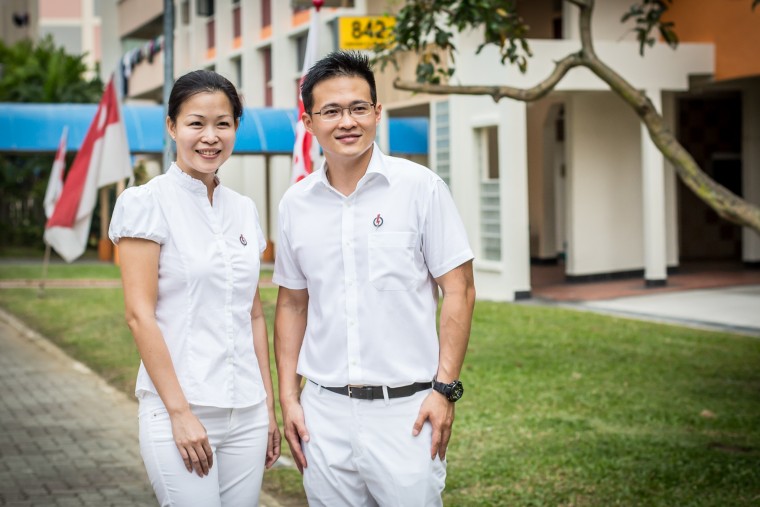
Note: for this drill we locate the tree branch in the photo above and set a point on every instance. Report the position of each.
(723, 201)
(499, 92)
(587, 42)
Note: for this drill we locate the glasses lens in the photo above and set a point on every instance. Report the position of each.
(330, 113)
(360, 109)
(334, 113)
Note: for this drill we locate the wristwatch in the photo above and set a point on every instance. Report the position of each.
(452, 391)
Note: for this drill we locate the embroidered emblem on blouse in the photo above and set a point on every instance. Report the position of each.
(242, 240)
(378, 221)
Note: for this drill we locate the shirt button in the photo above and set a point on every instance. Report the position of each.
(353, 362)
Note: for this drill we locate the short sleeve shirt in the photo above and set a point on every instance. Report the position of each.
(207, 277)
(368, 261)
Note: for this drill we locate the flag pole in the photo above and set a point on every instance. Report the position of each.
(45, 262)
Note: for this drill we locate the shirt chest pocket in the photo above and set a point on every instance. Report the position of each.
(392, 260)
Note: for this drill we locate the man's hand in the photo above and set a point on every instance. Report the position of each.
(440, 412)
(295, 431)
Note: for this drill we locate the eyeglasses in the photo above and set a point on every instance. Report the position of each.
(335, 113)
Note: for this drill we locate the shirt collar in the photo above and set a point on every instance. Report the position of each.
(377, 165)
(188, 182)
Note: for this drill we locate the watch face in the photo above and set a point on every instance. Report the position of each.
(457, 390)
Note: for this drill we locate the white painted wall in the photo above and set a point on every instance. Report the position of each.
(662, 68)
(605, 24)
(495, 280)
(604, 183)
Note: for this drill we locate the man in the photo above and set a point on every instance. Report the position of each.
(361, 257)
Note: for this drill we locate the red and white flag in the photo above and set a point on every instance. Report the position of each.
(55, 183)
(305, 148)
(102, 159)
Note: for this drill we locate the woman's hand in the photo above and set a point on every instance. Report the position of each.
(192, 442)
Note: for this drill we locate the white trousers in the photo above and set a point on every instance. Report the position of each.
(362, 453)
(238, 438)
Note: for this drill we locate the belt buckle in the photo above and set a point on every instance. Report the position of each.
(351, 387)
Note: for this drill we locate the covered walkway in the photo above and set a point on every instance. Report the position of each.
(263, 131)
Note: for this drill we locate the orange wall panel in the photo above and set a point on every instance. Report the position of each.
(60, 8)
(731, 25)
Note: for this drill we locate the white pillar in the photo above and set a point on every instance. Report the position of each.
(513, 183)
(751, 168)
(653, 178)
(87, 35)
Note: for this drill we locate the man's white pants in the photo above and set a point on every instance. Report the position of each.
(238, 437)
(362, 453)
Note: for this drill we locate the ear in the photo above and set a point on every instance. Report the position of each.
(237, 123)
(306, 119)
(378, 112)
(171, 127)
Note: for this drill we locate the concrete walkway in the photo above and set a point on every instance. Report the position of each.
(733, 309)
(66, 437)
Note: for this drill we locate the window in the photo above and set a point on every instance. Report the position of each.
(237, 72)
(205, 8)
(236, 22)
(210, 35)
(266, 13)
(442, 155)
(487, 152)
(266, 59)
(300, 52)
(184, 12)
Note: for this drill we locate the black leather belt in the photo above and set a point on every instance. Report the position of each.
(376, 392)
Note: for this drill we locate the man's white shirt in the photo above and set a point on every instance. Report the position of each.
(368, 261)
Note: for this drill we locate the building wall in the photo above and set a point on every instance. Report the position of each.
(606, 23)
(604, 185)
(18, 20)
(732, 26)
(73, 24)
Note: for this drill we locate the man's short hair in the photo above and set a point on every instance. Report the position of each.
(337, 64)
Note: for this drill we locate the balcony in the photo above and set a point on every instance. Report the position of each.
(140, 19)
(147, 78)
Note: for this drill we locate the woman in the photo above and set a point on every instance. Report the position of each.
(189, 250)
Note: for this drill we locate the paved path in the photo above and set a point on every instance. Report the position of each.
(66, 437)
(734, 309)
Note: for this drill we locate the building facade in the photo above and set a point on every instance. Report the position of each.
(73, 24)
(571, 179)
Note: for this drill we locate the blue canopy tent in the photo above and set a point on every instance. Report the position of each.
(36, 128)
(265, 131)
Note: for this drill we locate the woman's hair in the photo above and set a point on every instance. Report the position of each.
(337, 64)
(200, 81)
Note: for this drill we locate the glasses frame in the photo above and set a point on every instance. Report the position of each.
(351, 114)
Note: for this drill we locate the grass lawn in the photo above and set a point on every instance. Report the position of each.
(561, 408)
(33, 271)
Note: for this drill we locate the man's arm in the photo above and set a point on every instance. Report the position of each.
(458, 289)
(289, 328)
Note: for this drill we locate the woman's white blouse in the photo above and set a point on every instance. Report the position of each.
(207, 277)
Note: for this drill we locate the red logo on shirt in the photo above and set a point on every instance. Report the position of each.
(378, 221)
(242, 240)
